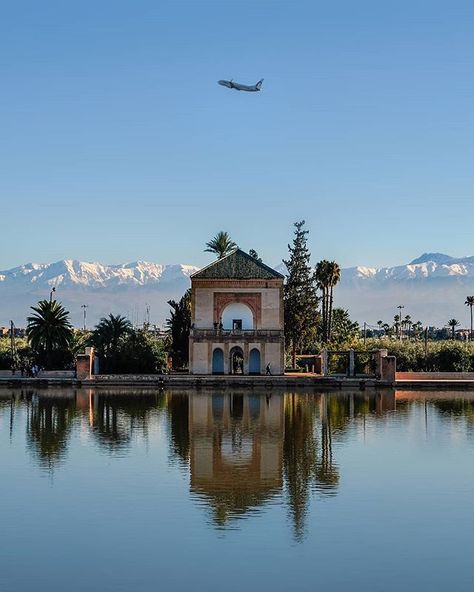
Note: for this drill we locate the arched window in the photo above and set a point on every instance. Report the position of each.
(237, 316)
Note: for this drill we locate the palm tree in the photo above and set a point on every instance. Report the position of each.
(380, 324)
(407, 322)
(470, 302)
(334, 278)
(79, 340)
(49, 329)
(453, 323)
(321, 275)
(396, 324)
(253, 253)
(417, 329)
(327, 275)
(221, 245)
(107, 335)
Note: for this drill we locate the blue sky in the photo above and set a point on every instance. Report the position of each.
(117, 144)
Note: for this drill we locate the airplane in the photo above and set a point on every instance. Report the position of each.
(236, 86)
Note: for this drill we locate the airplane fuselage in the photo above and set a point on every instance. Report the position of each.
(244, 87)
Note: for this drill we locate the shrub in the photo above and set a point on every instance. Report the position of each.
(454, 358)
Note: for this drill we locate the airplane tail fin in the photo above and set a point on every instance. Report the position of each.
(259, 84)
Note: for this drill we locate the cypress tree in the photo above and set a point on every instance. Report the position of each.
(300, 300)
(179, 326)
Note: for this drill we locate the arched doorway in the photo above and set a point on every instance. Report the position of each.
(236, 360)
(218, 361)
(254, 361)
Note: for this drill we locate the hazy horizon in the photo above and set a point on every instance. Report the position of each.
(212, 258)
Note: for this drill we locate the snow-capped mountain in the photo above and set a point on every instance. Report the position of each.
(429, 265)
(70, 272)
(128, 289)
(432, 289)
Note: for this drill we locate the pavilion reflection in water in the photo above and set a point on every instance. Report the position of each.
(236, 450)
(243, 449)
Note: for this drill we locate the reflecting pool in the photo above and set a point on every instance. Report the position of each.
(236, 490)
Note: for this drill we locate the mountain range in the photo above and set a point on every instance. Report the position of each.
(432, 288)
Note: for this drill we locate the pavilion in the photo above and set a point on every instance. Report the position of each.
(237, 324)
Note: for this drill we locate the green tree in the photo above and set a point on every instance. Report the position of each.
(79, 340)
(407, 323)
(23, 353)
(49, 332)
(470, 302)
(344, 330)
(179, 327)
(454, 357)
(453, 323)
(221, 245)
(334, 278)
(253, 253)
(328, 274)
(140, 352)
(300, 300)
(107, 337)
(397, 325)
(417, 329)
(322, 283)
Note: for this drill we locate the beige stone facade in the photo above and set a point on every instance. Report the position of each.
(237, 318)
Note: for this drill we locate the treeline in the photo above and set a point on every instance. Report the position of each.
(312, 322)
(52, 343)
(432, 356)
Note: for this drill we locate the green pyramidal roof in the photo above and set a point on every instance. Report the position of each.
(237, 266)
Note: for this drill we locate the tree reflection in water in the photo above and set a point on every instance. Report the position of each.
(48, 427)
(308, 461)
(243, 449)
(177, 405)
(118, 417)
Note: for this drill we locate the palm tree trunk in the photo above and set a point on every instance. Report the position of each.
(323, 313)
(470, 334)
(326, 325)
(330, 315)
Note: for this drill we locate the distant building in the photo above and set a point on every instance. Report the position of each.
(237, 318)
(17, 332)
(158, 332)
(462, 334)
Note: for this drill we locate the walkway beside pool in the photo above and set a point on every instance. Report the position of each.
(290, 380)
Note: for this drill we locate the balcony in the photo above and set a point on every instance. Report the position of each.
(236, 334)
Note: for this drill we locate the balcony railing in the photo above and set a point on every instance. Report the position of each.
(242, 333)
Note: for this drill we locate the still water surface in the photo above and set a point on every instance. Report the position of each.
(236, 490)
